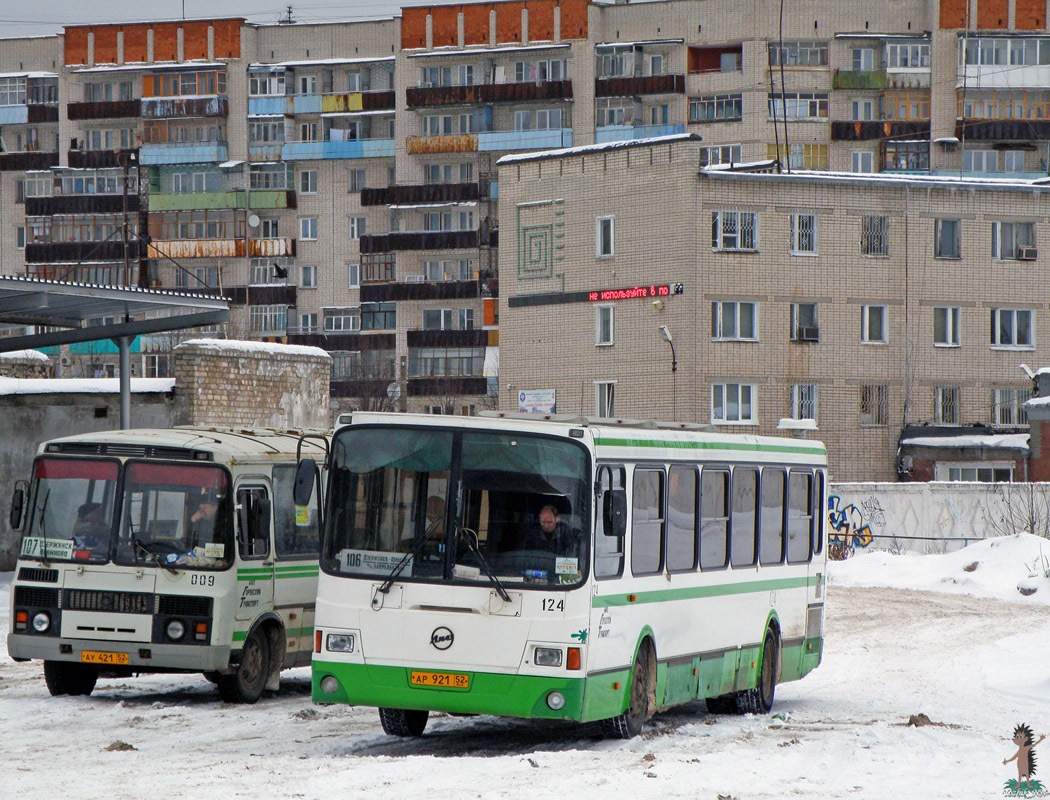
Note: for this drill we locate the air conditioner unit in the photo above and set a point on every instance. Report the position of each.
(1027, 253)
(808, 335)
(64, 361)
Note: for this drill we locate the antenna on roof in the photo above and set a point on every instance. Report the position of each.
(287, 18)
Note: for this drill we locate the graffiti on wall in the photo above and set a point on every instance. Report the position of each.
(850, 525)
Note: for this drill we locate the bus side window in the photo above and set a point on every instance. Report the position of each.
(608, 550)
(714, 518)
(743, 530)
(820, 513)
(771, 519)
(295, 527)
(800, 517)
(681, 519)
(647, 522)
(253, 522)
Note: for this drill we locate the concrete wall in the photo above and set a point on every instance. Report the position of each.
(936, 517)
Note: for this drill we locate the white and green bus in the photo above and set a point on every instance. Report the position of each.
(168, 550)
(573, 569)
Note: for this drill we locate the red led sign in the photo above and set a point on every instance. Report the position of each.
(630, 294)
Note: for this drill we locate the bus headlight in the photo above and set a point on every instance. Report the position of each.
(547, 657)
(341, 642)
(329, 685)
(175, 630)
(556, 701)
(41, 621)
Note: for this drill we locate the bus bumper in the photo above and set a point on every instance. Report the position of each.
(525, 696)
(142, 656)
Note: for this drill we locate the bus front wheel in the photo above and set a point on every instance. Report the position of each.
(640, 705)
(246, 684)
(403, 721)
(760, 699)
(64, 677)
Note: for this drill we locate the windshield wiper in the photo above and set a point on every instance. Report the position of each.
(416, 551)
(472, 545)
(153, 556)
(43, 530)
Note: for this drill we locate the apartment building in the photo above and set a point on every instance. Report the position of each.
(338, 181)
(736, 298)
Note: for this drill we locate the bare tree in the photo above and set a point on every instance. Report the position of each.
(1022, 508)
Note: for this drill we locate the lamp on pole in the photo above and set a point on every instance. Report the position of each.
(674, 372)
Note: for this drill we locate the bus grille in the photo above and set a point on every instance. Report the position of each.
(38, 574)
(171, 605)
(36, 597)
(118, 602)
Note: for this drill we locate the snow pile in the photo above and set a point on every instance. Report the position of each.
(82, 385)
(1006, 568)
(23, 355)
(241, 346)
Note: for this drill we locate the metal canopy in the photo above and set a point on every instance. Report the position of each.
(58, 304)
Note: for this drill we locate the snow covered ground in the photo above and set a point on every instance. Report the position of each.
(904, 635)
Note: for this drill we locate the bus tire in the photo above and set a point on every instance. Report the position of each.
(64, 677)
(403, 721)
(246, 684)
(640, 705)
(760, 699)
(723, 704)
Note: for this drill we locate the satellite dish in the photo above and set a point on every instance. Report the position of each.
(253, 221)
(393, 391)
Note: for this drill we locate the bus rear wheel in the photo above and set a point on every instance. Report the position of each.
(639, 708)
(403, 721)
(760, 699)
(246, 684)
(64, 677)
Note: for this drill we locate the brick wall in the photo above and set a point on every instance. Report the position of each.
(250, 384)
(12, 365)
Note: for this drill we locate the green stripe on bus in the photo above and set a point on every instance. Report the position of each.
(254, 574)
(751, 447)
(692, 592)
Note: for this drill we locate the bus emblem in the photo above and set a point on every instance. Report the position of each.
(442, 638)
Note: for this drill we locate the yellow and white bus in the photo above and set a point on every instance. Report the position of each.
(575, 569)
(168, 550)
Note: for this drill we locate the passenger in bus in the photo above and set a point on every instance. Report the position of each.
(89, 526)
(552, 535)
(202, 521)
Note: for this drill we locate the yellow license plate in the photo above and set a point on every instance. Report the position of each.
(97, 657)
(441, 680)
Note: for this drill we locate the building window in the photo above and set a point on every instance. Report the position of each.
(604, 238)
(603, 325)
(614, 111)
(946, 405)
(438, 362)
(862, 110)
(342, 319)
(308, 228)
(804, 323)
(1013, 240)
(907, 104)
(980, 161)
(981, 474)
(267, 318)
(308, 181)
(862, 59)
(874, 238)
(800, 156)
(605, 398)
(268, 229)
(719, 154)
(734, 230)
(1013, 327)
(862, 161)
(798, 54)
(20, 237)
(946, 326)
(353, 276)
(909, 55)
(308, 276)
(873, 404)
(356, 227)
(908, 156)
(804, 401)
(1008, 406)
(308, 322)
(156, 367)
(716, 108)
(357, 180)
(378, 316)
(873, 324)
(946, 238)
(804, 234)
(271, 271)
(734, 321)
(465, 317)
(798, 105)
(437, 319)
(732, 403)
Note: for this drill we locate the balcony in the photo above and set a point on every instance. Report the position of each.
(356, 342)
(452, 143)
(1003, 130)
(844, 131)
(108, 109)
(320, 103)
(448, 386)
(31, 114)
(1003, 76)
(94, 274)
(423, 193)
(260, 295)
(849, 79)
(32, 160)
(472, 337)
(643, 84)
(356, 148)
(55, 252)
(98, 159)
(433, 240)
(183, 153)
(427, 290)
(196, 248)
(525, 140)
(169, 107)
(271, 247)
(240, 199)
(81, 204)
(626, 133)
(417, 97)
(357, 101)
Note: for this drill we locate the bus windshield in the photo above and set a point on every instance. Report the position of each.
(458, 506)
(72, 513)
(175, 516)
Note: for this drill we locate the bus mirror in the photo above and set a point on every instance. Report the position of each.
(614, 512)
(18, 505)
(304, 482)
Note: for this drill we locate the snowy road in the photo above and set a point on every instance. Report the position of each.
(975, 666)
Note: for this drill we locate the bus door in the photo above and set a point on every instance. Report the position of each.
(296, 532)
(254, 511)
